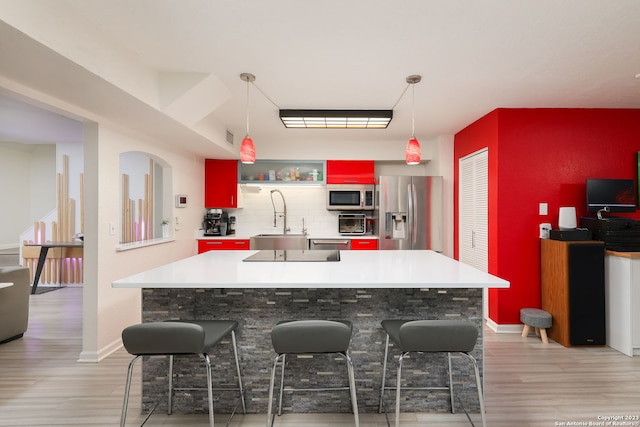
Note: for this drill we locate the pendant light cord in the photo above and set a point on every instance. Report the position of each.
(411, 81)
(265, 95)
(247, 108)
(413, 111)
(401, 95)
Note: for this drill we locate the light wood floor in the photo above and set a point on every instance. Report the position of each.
(527, 383)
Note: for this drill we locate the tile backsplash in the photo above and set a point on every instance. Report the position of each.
(308, 202)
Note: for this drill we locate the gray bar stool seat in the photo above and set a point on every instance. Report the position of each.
(311, 337)
(430, 336)
(179, 338)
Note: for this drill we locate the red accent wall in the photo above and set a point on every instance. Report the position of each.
(541, 156)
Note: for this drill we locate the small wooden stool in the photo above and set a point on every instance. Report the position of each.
(539, 319)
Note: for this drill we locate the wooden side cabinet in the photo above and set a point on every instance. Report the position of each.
(222, 245)
(573, 291)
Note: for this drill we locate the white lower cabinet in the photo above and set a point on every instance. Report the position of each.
(622, 294)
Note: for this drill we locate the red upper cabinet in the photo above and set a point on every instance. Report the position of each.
(350, 172)
(220, 183)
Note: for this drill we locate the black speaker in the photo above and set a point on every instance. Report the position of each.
(570, 235)
(587, 295)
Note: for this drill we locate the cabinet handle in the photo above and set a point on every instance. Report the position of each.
(214, 243)
(241, 243)
(231, 200)
(362, 243)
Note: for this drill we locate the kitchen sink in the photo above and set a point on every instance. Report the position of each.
(294, 255)
(279, 241)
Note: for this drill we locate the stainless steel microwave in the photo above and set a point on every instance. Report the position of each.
(343, 197)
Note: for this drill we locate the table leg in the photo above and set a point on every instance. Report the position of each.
(41, 259)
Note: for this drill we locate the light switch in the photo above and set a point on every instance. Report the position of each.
(112, 229)
(543, 209)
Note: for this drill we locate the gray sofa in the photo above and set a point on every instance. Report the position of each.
(14, 303)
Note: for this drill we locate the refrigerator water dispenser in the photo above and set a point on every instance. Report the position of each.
(396, 225)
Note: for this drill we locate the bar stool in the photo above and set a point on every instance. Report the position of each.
(311, 337)
(430, 336)
(179, 338)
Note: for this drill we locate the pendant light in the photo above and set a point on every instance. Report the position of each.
(413, 152)
(247, 149)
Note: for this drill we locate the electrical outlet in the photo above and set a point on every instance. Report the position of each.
(543, 209)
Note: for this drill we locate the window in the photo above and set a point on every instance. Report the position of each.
(145, 197)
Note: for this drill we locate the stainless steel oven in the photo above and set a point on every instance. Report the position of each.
(333, 244)
(341, 197)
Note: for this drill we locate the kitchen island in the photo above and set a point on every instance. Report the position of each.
(364, 287)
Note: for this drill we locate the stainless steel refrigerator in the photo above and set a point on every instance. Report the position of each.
(410, 212)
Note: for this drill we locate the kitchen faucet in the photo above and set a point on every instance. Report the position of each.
(284, 212)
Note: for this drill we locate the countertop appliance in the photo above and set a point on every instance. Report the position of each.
(350, 197)
(215, 222)
(352, 224)
(410, 212)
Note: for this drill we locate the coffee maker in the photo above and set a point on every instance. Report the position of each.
(212, 221)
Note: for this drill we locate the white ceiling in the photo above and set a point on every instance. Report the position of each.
(474, 56)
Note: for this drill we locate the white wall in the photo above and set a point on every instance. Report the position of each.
(43, 183)
(107, 310)
(27, 177)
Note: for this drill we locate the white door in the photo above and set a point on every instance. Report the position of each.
(473, 214)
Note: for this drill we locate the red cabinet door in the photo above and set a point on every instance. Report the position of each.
(364, 244)
(350, 172)
(222, 244)
(220, 183)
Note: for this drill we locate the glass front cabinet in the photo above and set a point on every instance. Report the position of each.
(282, 172)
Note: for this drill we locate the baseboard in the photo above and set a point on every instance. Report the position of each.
(10, 246)
(504, 329)
(97, 356)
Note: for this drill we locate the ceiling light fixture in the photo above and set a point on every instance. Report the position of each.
(247, 149)
(336, 119)
(413, 153)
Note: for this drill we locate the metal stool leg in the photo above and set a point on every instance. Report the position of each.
(453, 405)
(398, 389)
(207, 362)
(284, 361)
(479, 387)
(352, 389)
(384, 373)
(235, 353)
(127, 387)
(271, 387)
(170, 403)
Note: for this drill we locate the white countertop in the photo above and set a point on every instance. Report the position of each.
(356, 269)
